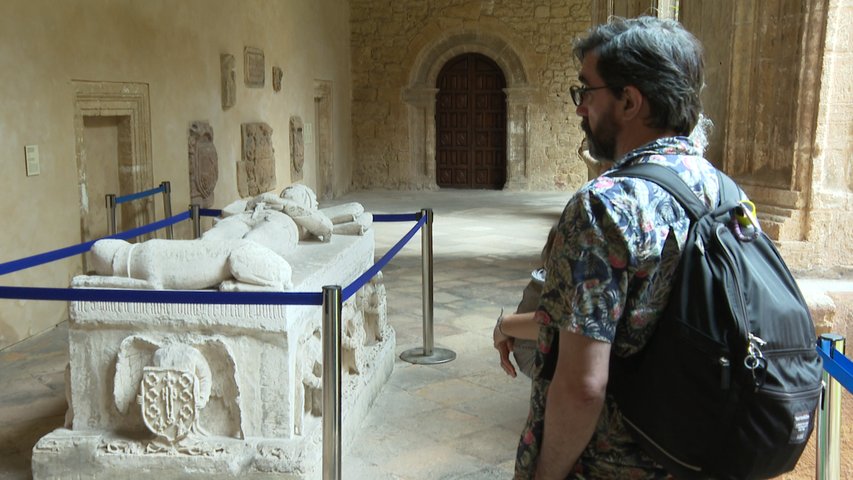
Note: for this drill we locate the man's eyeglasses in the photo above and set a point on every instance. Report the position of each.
(578, 93)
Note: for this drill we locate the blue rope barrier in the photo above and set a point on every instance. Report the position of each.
(836, 364)
(396, 217)
(377, 217)
(134, 196)
(180, 296)
(366, 276)
(47, 257)
(210, 297)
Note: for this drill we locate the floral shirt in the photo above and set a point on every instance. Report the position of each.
(617, 246)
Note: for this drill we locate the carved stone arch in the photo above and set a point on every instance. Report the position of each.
(420, 96)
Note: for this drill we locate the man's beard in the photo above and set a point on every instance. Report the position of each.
(602, 144)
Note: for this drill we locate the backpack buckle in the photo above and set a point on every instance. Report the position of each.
(755, 361)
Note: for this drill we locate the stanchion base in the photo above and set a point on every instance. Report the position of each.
(439, 355)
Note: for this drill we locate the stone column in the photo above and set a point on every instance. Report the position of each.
(518, 101)
(421, 102)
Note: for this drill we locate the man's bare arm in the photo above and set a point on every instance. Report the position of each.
(575, 400)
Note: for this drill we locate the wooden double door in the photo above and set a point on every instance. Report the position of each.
(471, 124)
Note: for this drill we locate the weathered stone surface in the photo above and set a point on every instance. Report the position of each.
(276, 78)
(254, 71)
(204, 164)
(229, 80)
(256, 171)
(221, 391)
(297, 149)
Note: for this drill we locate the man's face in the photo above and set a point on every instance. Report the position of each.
(597, 112)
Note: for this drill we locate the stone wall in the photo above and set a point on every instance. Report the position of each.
(398, 49)
(779, 92)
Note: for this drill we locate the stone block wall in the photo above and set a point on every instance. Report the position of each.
(398, 49)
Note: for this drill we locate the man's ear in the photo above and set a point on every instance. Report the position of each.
(632, 102)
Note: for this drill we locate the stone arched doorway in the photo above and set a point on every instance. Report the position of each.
(421, 97)
(470, 123)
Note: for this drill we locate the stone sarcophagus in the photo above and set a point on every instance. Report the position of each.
(217, 391)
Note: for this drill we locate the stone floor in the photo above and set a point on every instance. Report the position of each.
(458, 420)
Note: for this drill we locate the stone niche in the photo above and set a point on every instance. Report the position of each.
(172, 391)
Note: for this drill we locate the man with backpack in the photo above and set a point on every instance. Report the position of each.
(616, 254)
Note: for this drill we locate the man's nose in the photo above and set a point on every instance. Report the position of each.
(581, 110)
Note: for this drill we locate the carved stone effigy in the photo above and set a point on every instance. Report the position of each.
(216, 391)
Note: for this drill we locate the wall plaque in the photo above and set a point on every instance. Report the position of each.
(253, 67)
(297, 149)
(276, 78)
(229, 80)
(256, 171)
(204, 164)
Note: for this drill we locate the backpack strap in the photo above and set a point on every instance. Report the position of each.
(670, 181)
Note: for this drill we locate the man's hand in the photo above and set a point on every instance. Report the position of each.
(503, 344)
(504, 347)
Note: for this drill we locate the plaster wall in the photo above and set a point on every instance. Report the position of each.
(174, 48)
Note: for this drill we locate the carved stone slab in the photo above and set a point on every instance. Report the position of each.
(195, 391)
(256, 171)
(254, 71)
(204, 164)
(276, 79)
(229, 80)
(297, 149)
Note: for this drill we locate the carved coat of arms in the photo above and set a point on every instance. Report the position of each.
(168, 401)
(204, 164)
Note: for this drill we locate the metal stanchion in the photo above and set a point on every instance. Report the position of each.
(196, 218)
(167, 206)
(427, 355)
(332, 301)
(111, 213)
(828, 464)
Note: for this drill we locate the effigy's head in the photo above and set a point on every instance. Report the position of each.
(302, 195)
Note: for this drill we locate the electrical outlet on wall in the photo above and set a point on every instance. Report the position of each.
(33, 166)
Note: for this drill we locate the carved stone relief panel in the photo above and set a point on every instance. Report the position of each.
(256, 171)
(254, 72)
(229, 80)
(276, 78)
(297, 149)
(204, 164)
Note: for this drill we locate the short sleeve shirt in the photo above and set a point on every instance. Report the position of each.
(614, 254)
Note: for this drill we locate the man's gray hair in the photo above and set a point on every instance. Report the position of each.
(658, 57)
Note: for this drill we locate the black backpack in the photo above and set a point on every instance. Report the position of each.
(728, 383)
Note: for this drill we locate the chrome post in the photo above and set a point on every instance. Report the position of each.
(167, 206)
(332, 305)
(196, 218)
(427, 355)
(111, 213)
(828, 463)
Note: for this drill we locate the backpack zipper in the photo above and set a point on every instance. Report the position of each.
(736, 283)
(771, 392)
